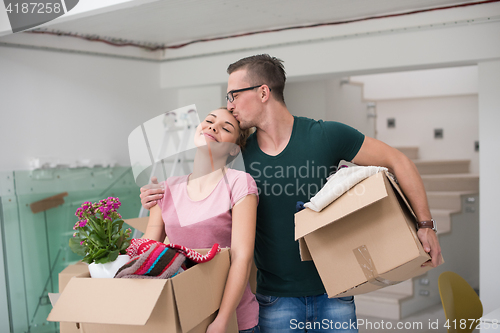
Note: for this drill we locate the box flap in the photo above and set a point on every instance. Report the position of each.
(80, 269)
(198, 291)
(396, 187)
(53, 298)
(304, 250)
(108, 301)
(139, 223)
(307, 220)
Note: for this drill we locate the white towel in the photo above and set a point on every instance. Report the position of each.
(339, 183)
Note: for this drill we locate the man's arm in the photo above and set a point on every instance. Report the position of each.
(150, 193)
(377, 153)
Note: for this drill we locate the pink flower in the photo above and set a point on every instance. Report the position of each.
(87, 205)
(74, 235)
(81, 243)
(83, 223)
(79, 212)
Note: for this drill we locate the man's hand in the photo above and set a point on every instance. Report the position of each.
(430, 242)
(150, 193)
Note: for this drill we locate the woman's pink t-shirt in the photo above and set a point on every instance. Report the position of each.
(201, 224)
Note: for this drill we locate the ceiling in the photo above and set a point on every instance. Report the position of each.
(173, 22)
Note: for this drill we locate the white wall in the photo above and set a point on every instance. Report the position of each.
(374, 53)
(307, 99)
(206, 98)
(423, 83)
(416, 119)
(489, 183)
(423, 100)
(328, 99)
(71, 107)
(346, 105)
(4, 305)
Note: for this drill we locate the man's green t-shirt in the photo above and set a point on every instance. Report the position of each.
(296, 174)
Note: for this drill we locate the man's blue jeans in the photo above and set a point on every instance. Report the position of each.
(306, 314)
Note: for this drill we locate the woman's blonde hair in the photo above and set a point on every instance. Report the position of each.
(243, 133)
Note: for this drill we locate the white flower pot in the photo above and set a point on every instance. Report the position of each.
(109, 269)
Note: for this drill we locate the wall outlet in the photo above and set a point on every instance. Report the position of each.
(438, 133)
(391, 122)
(424, 282)
(424, 292)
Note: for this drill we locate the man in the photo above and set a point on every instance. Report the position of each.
(288, 156)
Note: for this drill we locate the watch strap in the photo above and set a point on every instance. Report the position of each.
(427, 224)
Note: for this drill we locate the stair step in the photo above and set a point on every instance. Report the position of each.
(410, 152)
(447, 199)
(442, 167)
(443, 219)
(379, 304)
(403, 288)
(452, 182)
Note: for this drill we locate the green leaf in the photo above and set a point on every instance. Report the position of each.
(119, 242)
(116, 228)
(98, 240)
(100, 231)
(125, 245)
(88, 259)
(103, 260)
(101, 253)
(75, 246)
(113, 255)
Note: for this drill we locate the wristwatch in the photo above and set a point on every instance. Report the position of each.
(427, 224)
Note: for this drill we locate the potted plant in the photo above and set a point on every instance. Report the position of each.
(99, 237)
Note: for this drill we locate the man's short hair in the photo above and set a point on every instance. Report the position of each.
(263, 69)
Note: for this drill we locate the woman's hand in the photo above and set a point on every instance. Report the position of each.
(217, 326)
(244, 217)
(156, 227)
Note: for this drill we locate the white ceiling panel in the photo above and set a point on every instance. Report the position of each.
(172, 22)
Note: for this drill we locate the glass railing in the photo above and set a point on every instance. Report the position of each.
(35, 245)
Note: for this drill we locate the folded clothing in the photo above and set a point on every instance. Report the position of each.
(339, 183)
(151, 259)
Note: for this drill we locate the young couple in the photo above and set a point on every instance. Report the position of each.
(244, 212)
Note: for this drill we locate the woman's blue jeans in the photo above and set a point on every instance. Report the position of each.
(306, 314)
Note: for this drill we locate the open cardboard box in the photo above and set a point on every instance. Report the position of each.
(187, 302)
(363, 241)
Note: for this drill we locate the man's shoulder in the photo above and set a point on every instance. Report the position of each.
(313, 126)
(316, 122)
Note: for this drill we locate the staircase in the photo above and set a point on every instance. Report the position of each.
(453, 198)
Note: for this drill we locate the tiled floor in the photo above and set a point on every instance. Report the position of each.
(431, 320)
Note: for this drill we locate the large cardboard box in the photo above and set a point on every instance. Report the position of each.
(364, 240)
(185, 303)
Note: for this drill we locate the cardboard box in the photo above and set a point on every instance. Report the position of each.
(363, 241)
(185, 303)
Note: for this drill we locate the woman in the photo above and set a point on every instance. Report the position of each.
(215, 204)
